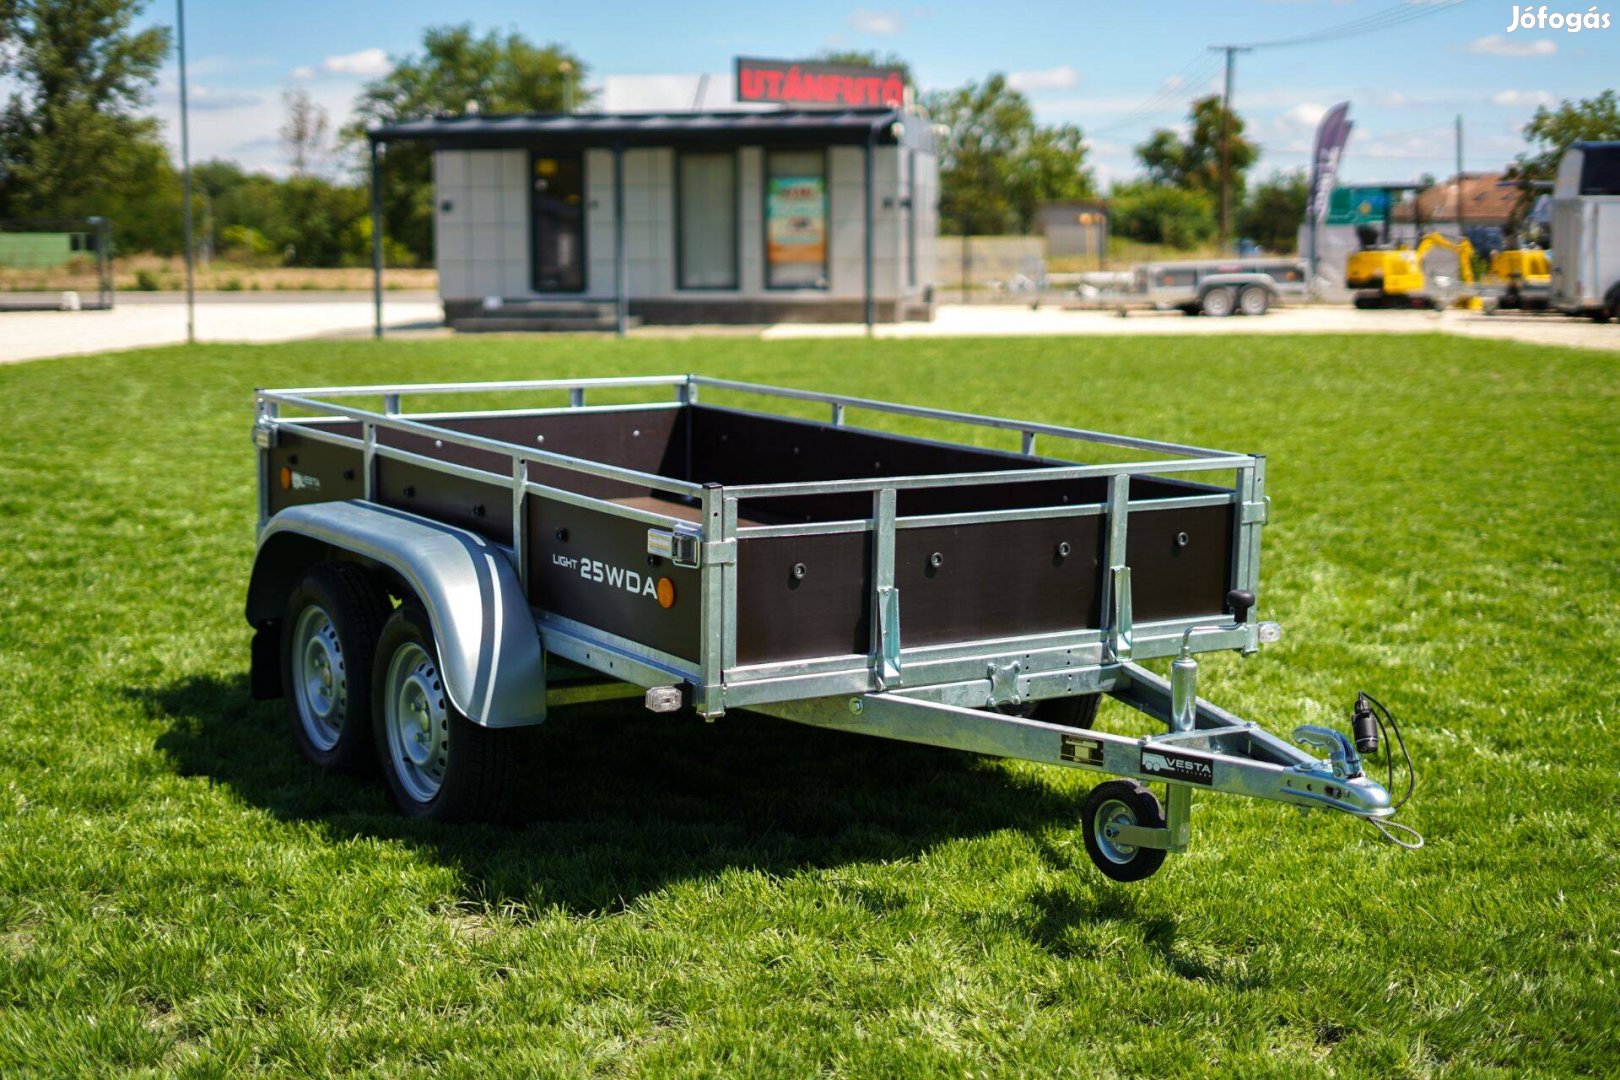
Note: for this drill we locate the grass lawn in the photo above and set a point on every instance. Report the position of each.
(180, 894)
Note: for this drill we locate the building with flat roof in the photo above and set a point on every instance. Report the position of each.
(600, 219)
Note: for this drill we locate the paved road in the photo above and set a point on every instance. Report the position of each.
(1012, 320)
(143, 320)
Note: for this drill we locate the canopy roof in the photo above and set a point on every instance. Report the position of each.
(784, 127)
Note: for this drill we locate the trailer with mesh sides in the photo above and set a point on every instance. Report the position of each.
(56, 264)
(427, 579)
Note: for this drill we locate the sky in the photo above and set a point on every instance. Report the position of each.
(1116, 70)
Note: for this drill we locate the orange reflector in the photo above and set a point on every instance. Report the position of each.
(286, 478)
(666, 593)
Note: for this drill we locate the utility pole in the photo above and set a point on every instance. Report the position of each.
(185, 166)
(1226, 141)
(1460, 233)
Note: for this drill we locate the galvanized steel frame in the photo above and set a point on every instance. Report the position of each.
(1049, 665)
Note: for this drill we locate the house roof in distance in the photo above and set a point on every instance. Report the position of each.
(1486, 200)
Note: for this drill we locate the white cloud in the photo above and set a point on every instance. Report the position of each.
(366, 63)
(1306, 115)
(875, 22)
(1062, 77)
(202, 98)
(1526, 98)
(1174, 82)
(245, 132)
(1502, 45)
(303, 73)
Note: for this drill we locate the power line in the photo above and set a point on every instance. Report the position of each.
(1408, 11)
(1188, 80)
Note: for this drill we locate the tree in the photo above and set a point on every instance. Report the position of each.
(1272, 213)
(72, 142)
(997, 165)
(1194, 162)
(304, 133)
(457, 72)
(1155, 213)
(1552, 131)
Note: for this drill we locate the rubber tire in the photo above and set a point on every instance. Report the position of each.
(1246, 298)
(1144, 862)
(357, 609)
(480, 781)
(1229, 301)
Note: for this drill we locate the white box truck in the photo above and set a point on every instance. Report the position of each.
(1586, 231)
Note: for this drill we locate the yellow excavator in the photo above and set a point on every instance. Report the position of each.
(1393, 276)
(1523, 277)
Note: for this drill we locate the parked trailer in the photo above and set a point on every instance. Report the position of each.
(724, 558)
(1586, 231)
(1215, 287)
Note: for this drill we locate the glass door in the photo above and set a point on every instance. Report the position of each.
(558, 212)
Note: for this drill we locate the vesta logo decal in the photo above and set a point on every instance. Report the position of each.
(1174, 766)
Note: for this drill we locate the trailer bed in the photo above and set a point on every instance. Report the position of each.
(977, 559)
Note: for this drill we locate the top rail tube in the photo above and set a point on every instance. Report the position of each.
(841, 400)
(494, 446)
(923, 412)
(483, 387)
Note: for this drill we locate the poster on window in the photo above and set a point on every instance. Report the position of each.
(796, 228)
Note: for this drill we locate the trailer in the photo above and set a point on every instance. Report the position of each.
(1214, 287)
(1586, 231)
(425, 581)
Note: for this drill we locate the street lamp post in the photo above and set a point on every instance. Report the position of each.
(185, 174)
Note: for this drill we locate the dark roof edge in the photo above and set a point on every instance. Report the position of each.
(582, 124)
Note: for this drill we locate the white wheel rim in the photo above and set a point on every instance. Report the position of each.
(320, 677)
(1110, 815)
(1218, 303)
(1254, 302)
(417, 721)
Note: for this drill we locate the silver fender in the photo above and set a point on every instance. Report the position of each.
(489, 650)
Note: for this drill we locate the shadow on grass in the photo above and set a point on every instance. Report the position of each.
(620, 802)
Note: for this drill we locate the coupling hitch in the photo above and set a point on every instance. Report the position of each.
(1342, 756)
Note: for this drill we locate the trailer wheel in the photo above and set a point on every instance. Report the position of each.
(334, 616)
(1254, 300)
(1121, 802)
(437, 763)
(1217, 303)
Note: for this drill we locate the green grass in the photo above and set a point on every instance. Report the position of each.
(179, 894)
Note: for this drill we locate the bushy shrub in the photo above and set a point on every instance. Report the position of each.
(1156, 214)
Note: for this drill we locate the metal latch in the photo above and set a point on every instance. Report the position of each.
(680, 546)
(264, 435)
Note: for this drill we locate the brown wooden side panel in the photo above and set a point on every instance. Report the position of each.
(593, 567)
(647, 440)
(315, 471)
(1180, 560)
(995, 580)
(824, 613)
(474, 505)
(998, 579)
